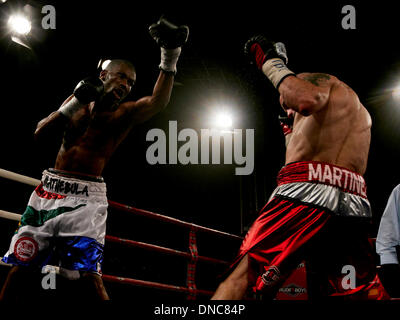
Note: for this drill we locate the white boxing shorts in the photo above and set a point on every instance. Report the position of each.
(64, 224)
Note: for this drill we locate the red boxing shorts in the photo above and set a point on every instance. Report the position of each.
(318, 213)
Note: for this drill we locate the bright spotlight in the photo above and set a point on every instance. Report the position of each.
(19, 24)
(223, 120)
(396, 93)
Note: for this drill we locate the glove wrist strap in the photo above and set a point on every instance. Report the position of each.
(276, 70)
(70, 107)
(169, 59)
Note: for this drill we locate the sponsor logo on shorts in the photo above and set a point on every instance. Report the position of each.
(293, 290)
(271, 276)
(65, 187)
(25, 249)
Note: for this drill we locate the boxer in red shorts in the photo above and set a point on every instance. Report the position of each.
(319, 211)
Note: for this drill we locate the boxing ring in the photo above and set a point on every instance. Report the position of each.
(294, 288)
(192, 256)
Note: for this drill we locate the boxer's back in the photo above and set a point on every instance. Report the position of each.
(338, 134)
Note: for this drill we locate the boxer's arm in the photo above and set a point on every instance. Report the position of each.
(303, 96)
(87, 90)
(170, 38)
(146, 107)
(52, 124)
(271, 58)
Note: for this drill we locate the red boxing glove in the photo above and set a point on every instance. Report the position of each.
(286, 125)
(259, 49)
(286, 128)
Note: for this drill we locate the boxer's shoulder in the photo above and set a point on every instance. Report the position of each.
(319, 79)
(338, 89)
(124, 114)
(125, 109)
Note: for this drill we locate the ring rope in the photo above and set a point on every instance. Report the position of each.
(10, 215)
(156, 248)
(123, 207)
(19, 178)
(3, 263)
(127, 208)
(155, 285)
(136, 282)
(132, 243)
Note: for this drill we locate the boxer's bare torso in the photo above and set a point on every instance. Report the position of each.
(338, 133)
(94, 132)
(91, 138)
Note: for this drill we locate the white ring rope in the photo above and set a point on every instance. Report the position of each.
(10, 215)
(4, 264)
(19, 178)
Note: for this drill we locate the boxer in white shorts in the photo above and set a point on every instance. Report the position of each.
(65, 217)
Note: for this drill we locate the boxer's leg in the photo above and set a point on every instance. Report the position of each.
(8, 289)
(93, 284)
(235, 286)
(19, 284)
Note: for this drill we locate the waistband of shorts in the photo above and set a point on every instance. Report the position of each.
(76, 175)
(61, 183)
(323, 173)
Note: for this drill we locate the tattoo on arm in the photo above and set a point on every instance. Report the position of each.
(317, 78)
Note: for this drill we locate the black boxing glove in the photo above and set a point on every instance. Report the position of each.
(89, 90)
(167, 35)
(170, 38)
(270, 57)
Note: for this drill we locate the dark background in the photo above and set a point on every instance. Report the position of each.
(211, 70)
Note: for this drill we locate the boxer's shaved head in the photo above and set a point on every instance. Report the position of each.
(117, 63)
(119, 76)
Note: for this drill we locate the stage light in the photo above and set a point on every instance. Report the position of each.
(19, 24)
(223, 120)
(396, 93)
